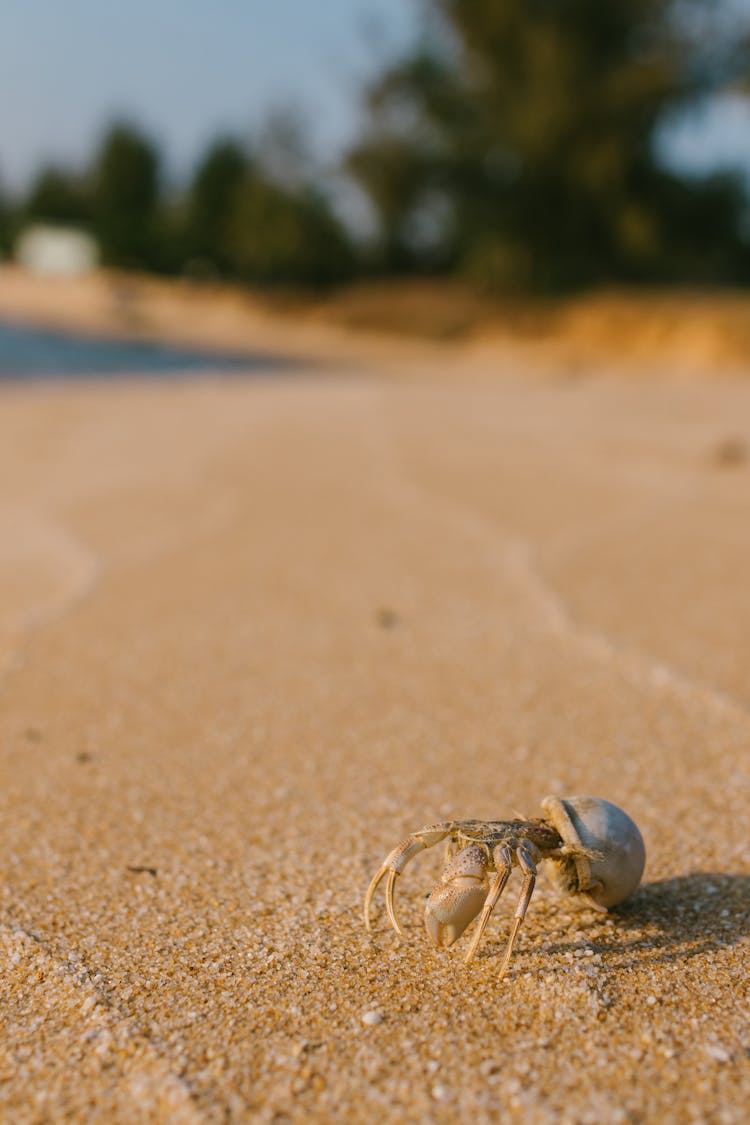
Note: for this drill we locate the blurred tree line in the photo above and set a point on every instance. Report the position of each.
(517, 144)
(514, 145)
(237, 219)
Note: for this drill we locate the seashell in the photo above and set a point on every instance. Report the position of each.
(603, 854)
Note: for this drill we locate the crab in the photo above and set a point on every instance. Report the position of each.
(594, 849)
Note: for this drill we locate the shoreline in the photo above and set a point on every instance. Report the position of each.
(403, 325)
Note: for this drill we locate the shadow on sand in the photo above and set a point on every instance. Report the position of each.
(686, 916)
(674, 919)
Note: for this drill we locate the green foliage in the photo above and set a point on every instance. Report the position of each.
(280, 236)
(126, 186)
(256, 220)
(241, 221)
(6, 224)
(57, 196)
(211, 200)
(533, 121)
(395, 174)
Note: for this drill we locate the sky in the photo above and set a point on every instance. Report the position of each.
(186, 70)
(183, 69)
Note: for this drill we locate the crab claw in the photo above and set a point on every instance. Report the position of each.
(458, 897)
(394, 864)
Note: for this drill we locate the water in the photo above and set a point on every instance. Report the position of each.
(30, 353)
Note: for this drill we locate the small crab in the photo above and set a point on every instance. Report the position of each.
(594, 850)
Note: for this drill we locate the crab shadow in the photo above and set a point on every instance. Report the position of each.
(675, 919)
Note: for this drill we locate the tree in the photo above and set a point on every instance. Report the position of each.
(396, 176)
(58, 196)
(257, 217)
(283, 147)
(126, 186)
(281, 236)
(211, 200)
(533, 122)
(6, 223)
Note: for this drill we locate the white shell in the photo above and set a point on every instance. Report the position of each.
(603, 855)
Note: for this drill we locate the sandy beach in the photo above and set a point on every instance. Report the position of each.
(253, 632)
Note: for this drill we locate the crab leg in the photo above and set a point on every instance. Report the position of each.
(395, 862)
(528, 866)
(503, 859)
(390, 904)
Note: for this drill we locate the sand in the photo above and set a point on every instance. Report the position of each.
(254, 632)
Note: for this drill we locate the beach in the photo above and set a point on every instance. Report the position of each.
(255, 631)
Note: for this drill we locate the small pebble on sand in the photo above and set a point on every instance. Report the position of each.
(371, 1018)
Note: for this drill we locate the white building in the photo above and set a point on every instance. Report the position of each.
(52, 251)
